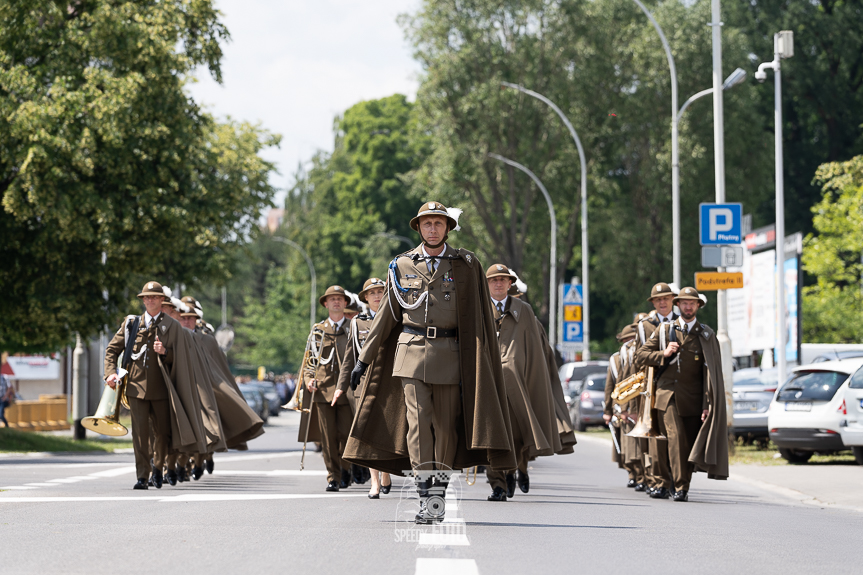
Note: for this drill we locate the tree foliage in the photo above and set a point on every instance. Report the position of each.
(833, 306)
(110, 174)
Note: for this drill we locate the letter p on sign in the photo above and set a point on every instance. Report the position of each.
(720, 224)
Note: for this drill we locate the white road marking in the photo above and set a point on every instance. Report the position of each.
(273, 473)
(428, 566)
(18, 487)
(189, 498)
(64, 480)
(42, 484)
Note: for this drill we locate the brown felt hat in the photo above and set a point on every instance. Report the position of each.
(690, 293)
(433, 209)
(499, 270)
(335, 290)
(661, 289)
(370, 284)
(627, 332)
(152, 288)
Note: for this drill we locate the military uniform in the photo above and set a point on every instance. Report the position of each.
(534, 424)
(357, 334)
(681, 394)
(334, 422)
(146, 390)
(621, 366)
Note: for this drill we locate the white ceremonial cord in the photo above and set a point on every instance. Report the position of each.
(402, 302)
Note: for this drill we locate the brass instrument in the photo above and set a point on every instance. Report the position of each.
(106, 420)
(644, 427)
(629, 388)
(311, 360)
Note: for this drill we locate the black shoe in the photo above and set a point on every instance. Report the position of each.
(523, 481)
(150, 482)
(357, 474)
(374, 495)
(197, 473)
(631, 483)
(640, 487)
(510, 485)
(209, 466)
(142, 484)
(333, 486)
(346, 479)
(661, 493)
(157, 478)
(497, 495)
(181, 475)
(680, 496)
(172, 477)
(385, 489)
(649, 491)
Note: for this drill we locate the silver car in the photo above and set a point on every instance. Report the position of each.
(753, 391)
(586, 409)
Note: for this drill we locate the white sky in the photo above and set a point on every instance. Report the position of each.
(294, 65)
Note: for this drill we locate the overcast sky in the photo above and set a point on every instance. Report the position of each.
(294, 65)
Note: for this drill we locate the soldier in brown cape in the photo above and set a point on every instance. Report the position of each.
(329, 419)
(690, 398)
(434, 393)
(620, 367)
(160, 386)
(372, 294)
(531, 408)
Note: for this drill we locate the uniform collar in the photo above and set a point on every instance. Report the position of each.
(502, 302)
(428, 255)
(687, 325)
(148, 317)
(336, 325)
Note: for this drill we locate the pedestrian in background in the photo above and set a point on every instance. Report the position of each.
(7, 396)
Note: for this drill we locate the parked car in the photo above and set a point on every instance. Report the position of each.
(852, 431)
(256, 400)
(807, 412)
(586, 407)
(753, 390)
(837, 355)
(274, 400)
(573, 372)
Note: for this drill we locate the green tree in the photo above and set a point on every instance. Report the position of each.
(833, 306)
(109, 172)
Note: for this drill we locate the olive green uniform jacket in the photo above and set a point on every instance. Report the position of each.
(378, 437)
(326, 375)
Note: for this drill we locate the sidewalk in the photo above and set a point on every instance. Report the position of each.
(824, 485)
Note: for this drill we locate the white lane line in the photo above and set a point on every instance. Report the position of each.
(42, 484)
(428, 566)
(272, 473)
(64, 480)
(82, 477)
(190, 498)
(17, 487)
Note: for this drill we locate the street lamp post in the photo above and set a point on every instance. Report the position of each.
(392, 236)
(585, 263)
(313, 298)
(675, 161)
(552, 288)
(783, 47)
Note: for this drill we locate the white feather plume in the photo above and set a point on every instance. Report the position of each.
(675, 289)
(454, 213)
(199, 313)
(519, 285)
(167, 291)
(178, 305)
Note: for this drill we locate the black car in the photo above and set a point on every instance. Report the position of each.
(587, 406)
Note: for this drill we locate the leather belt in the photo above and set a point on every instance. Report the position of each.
(431, 332)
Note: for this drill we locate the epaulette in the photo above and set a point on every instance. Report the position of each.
(705, 331)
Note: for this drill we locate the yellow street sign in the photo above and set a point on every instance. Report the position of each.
(572, 313)
(712, 281)
(262, 373)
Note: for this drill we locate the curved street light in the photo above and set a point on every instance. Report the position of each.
(735, 78)
(585, 264)
(392, 236)
(552, 295)
(314, 277)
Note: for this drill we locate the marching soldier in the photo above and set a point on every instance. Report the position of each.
(690, 398)
(320, 374)
(157, 353)
(434, 395)
(371, 295)
(662, 298)
(531, 411)
(620, 367)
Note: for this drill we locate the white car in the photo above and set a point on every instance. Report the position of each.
(807, 412)
(852, 431)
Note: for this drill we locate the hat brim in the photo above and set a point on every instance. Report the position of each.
(690, 298)
(415, 222)
(653, 297)
(155, 293)
(502, 275)
(362, 294)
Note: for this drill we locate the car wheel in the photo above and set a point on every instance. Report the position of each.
(795, 455)
(577, 422)
(858, 454)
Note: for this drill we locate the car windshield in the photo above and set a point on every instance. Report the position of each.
(594, 382)
(582, 372)
(756, 377)
(857, 379)
(812, 386)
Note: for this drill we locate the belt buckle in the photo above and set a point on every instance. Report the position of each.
(431, 332)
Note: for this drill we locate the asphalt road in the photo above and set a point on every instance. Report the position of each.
(258, 513)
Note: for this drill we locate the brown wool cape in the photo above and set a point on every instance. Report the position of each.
(566, 434)
(188, 434)
(527, 381)
(378, 437)
(238, 421)
(710, 451)
(204, 379)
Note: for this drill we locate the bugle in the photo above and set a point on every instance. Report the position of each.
(106, 420)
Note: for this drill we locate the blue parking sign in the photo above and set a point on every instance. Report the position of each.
(572, 331)
(720, 224)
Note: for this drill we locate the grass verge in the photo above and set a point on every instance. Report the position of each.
(14, 441)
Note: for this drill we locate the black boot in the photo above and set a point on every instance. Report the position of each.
(157, 478)
(346, 479)
(523, 481)
(510, 485)
(197, 473)
(172, 477)
(357, 474)
(497, 494)
(209, 465)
